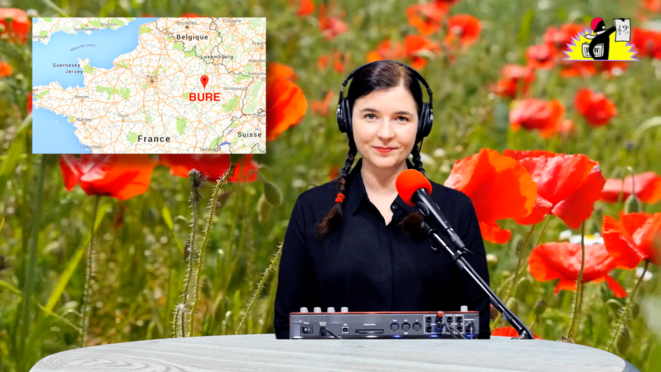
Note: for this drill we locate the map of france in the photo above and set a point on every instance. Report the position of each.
(149, 85)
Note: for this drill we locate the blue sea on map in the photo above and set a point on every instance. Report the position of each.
(49, 137)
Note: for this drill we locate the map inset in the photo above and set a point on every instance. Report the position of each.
(149, 85)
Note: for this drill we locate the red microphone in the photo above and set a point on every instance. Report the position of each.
(415, 189)
(410, 181)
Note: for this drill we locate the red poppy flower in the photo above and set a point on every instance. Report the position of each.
(567, 186)
(558, 38)
(652, 5)
(522, 154)
(245, 170)
(386, 50)
(213, 166)
(537, 114)
(330, 26)
(5, 69)
(305, 8)
(562, 261)
(566, 128)
(190, 15)
(509, 331)
(29, 103)
(415, 46)
(426, 17)
(118, 176)
(647, 185)
(321, 106)
(646, 42)
(16, 24)
(278, 69)
(632, 239)
(611, 68)
(463, 29)
(285, 105)
(595, 107)
(445, 2)
(577, 68)
(515, 79)
(540, 56)
(499, 188)
(339, 60)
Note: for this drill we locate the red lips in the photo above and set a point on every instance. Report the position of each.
(384, 149)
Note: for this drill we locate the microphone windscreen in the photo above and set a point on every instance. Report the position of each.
(408, 182)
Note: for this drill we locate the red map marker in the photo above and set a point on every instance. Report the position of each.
(204, 79)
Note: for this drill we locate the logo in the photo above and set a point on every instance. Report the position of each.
(601, 43)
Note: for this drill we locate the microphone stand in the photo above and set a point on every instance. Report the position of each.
(459, 260)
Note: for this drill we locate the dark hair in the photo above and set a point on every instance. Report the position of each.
(376, 76)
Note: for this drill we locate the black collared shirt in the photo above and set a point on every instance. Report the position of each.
(367, 265)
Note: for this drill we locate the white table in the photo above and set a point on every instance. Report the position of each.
(265, 353)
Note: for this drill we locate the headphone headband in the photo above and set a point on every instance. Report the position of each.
(416, 73)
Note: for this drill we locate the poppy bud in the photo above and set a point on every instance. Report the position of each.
(263, 209)
(632, 205)
(624, 340)
(272, 193)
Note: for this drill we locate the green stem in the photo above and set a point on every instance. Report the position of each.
(32, 263)
(205, 239)
(261, 285)
(620, 321)
(513, 283)
(519, 271)
(579, 289)
(91, 274)
(183, 325)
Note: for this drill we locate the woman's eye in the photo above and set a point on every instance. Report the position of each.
(403, 118)
(370, 116)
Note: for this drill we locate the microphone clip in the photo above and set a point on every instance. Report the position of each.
(456, 253)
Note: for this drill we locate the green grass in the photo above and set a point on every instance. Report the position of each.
(140, 242)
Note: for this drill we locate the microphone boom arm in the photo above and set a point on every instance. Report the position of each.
(434, 215)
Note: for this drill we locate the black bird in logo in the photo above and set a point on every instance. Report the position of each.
(600, 43)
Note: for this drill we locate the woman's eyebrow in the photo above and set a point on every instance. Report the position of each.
(396, 113)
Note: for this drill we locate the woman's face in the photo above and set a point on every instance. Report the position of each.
(384, 124)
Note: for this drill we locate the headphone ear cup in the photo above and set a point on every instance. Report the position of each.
(346, 115)
(430, 121)
(341, 123)
(422, 123)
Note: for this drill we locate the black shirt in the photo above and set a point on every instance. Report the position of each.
(368, 266)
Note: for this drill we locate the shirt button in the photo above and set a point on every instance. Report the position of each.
(394, 206)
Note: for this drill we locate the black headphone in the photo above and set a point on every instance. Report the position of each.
(426, 113)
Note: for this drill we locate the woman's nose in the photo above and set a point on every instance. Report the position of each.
(386, 130)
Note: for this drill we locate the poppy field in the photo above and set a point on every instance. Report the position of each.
(561, 160)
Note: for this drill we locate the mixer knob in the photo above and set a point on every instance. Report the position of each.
(317, 309)
(344, 309)
(330, 309)
(304, 310)
(464, 308)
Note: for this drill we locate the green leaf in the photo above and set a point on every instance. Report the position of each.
(73, 262)
(167, 217)
(647, 124)
(18, 292)
(11, 288)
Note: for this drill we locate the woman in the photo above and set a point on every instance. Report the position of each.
(353, 242)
